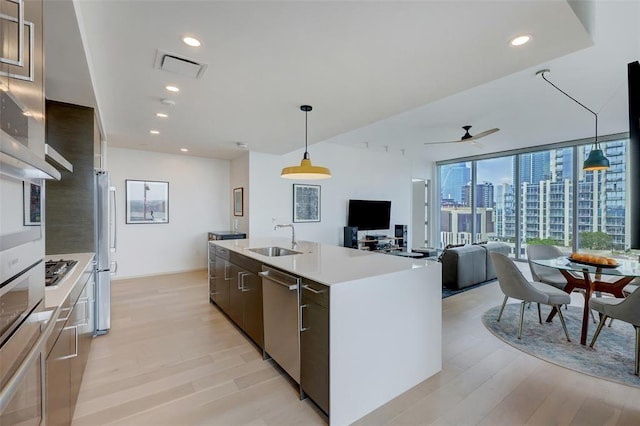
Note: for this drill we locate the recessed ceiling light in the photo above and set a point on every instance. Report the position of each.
(154, 132)
(161, 115)
(184, 150)
(172, 88)
(190, 41)
(520, 40)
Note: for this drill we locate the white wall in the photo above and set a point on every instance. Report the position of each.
(239, 178)
(199, 201)
(356, 174)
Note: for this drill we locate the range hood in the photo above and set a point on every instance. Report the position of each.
(17, 161)
(55, 158)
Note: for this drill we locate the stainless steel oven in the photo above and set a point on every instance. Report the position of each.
(19, 296)
(22, 369)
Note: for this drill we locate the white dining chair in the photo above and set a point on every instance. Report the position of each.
(625, 309)
(513, 284)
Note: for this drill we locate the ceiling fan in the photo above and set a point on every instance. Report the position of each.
(468, 137)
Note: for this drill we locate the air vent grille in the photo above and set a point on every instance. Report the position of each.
(177, 64)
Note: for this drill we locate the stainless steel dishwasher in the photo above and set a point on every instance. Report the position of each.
(280, 307)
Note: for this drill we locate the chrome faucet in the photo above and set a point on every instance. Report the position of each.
(293, 232)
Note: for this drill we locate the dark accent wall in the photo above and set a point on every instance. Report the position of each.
(634, 151)
(69, 208)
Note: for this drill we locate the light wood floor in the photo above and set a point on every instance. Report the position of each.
(171, 358)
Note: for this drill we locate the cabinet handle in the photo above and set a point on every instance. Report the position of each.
(242, 282)
(241, 276)
(312, 290)
(226, 272)
(69, 309)
(302, 329)
(20, 21)
(75, 354)
(85, 302)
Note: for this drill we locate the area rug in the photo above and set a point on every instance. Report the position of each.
(612, 358)
(447, 292)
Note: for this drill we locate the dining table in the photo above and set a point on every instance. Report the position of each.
(592, 279)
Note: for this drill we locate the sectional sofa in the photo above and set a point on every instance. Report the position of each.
(468, 265)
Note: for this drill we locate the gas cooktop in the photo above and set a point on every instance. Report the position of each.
(55, 270)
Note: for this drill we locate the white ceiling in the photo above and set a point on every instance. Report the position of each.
(388, 73)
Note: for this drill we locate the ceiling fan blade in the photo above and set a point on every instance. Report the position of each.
(482, 134)
(435, 143)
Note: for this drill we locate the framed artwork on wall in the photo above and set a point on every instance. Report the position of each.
(238, 202)
(147, 201)
(32, 204)
(306, 203)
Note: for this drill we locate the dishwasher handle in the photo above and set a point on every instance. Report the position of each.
(286, 280)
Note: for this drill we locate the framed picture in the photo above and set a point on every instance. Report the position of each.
(32, 204)
(238, 202)
(147, 201)
(306, 203)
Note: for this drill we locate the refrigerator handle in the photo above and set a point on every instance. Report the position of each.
(113, 222)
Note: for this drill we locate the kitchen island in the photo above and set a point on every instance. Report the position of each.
(385, 319)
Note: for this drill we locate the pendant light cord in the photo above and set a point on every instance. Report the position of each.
(306, 153)
(306, 109)
(578, 102)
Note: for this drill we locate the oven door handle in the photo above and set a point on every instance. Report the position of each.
(8, 391)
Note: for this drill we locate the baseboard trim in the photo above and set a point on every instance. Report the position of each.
(129, 277)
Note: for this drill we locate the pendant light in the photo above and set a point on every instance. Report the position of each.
(305, 170)
(596, 159)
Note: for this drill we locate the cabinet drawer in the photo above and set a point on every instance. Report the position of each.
(212, 251)
(246, 263)
(222, 252)
(315, 292)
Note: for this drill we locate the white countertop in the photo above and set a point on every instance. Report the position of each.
(55, 295)
(325, 263)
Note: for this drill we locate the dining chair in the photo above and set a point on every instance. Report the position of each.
(551, 276)
(543, 274)
(625, 309)
(513, 284)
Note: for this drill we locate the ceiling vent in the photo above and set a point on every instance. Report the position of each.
(179, 64)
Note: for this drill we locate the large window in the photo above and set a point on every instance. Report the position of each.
(494, 200)
(538, 197)
(455, 209)
(546, 198)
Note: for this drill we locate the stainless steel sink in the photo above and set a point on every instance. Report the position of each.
(274, 251)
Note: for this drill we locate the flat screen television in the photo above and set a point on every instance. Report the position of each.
(369, 215)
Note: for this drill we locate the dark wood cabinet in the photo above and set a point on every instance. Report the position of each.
(237, 290)
(58, 408)
(236, 304)
(83, 319)
(68, 350)
(314, 343)
(222, 278)
(251, 286)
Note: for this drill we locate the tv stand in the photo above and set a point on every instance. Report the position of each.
(379, 243)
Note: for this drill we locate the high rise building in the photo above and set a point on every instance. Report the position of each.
(547, 204)
(453, 178)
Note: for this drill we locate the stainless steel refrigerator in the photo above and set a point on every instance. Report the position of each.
(106, 239)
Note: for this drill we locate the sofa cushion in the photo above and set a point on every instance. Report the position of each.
(463, 267)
